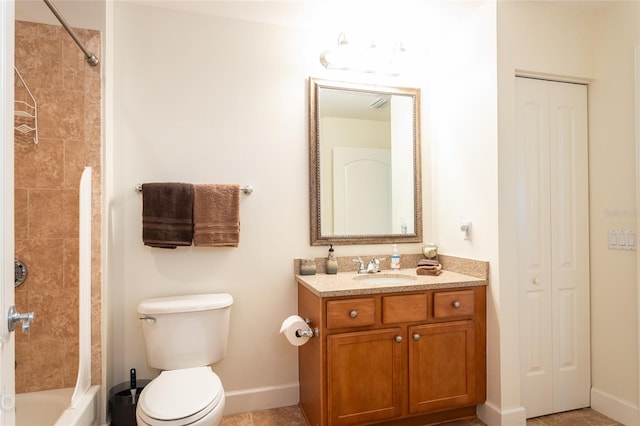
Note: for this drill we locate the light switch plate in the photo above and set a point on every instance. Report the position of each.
(630, 239)
(621, 239)
(613, 238)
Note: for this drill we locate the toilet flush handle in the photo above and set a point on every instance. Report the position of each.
(148, 318)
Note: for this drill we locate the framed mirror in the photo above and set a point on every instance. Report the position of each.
(364, 163)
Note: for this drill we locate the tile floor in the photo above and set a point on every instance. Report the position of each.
(292, 416)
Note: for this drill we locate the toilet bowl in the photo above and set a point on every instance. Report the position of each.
(191, 396)
(183, 335)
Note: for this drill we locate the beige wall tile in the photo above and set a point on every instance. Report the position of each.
(96, 360)
(25, 30)
(21, 204)
(23, 363)
(72, 66)
(71, 363)
(45, 213)
(70, 262)
(74, 162)
(41, 165)
(44, 262)
(60, 113)
(70, 213)
(47, 177)
(45, 368)
(39, 62)
(54, 320)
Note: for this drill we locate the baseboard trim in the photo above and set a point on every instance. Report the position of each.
(614, 408)
(494, 416)
(267, 397)
(245, 400)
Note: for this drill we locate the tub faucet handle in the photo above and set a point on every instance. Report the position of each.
(16, 317)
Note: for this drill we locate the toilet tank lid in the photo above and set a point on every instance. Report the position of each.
(188, 303)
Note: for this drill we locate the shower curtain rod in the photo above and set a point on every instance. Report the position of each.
(91, 58)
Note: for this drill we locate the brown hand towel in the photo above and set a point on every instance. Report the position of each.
(429, 270)
(167, 214)
(216, 215)
(428, 262)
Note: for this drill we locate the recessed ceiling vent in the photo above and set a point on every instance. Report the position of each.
(380, 103)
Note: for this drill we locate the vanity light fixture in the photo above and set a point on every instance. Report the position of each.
(368, 59)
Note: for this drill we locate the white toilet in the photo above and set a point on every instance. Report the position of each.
(183, 335)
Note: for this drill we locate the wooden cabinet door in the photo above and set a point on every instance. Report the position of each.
(441, 366)
(364, 376)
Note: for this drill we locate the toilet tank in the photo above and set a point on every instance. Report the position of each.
(185, 331)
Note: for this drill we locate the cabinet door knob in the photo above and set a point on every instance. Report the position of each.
(456, 304)
(353, 314)
(416, 336)
(398, 339)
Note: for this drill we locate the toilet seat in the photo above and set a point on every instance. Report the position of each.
(180, 397)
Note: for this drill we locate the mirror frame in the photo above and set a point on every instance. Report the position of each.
(317, 239)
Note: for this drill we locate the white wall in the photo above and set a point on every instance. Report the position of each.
(199, 98)
(463, 139)
(592, 43)
(613, 188)
(203, 99)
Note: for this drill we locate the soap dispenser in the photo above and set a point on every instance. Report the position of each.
(395, 258)
(332, 263)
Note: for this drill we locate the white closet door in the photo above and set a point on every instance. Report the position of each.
(534, 247)
(553, 246)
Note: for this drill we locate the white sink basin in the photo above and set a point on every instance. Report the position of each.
(385, 278)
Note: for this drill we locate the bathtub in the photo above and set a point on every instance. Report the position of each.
(51, 407)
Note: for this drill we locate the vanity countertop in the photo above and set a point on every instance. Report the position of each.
(344, 284)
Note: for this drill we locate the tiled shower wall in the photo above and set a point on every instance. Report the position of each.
(47, 178)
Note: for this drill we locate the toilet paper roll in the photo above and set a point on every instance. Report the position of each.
(289, 328)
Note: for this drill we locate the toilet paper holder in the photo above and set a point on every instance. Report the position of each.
(311, 332)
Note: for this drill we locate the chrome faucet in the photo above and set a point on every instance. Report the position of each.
(372, 267)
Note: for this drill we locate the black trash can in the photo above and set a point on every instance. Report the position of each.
(122, 408)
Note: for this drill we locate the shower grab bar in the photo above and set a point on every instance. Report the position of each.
(91, 58)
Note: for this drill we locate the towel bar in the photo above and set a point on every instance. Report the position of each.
(247, 189)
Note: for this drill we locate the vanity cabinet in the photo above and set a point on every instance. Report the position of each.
(406, 358)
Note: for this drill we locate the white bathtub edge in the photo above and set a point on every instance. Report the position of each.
(85, 414)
